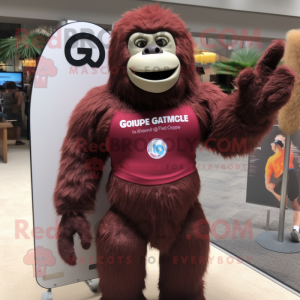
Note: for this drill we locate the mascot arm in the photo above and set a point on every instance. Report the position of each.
(77, 181)
(238, 122)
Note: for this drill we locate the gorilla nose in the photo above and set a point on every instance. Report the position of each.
(152, 50)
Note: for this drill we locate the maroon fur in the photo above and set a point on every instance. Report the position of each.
(249, 114)
(70, 224)
(166, 215)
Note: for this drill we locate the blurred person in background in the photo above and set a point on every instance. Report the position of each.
(27, 106)
(12, 108)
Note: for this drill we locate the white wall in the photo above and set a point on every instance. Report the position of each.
(10, 65)
(277, 7)
(107, 12)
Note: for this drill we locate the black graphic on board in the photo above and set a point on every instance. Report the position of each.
(87, 51)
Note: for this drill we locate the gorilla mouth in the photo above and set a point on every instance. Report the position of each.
(155, 75)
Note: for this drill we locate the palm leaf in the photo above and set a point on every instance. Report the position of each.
(7, 49)
(28, 46)
(33, 45)
(238, 61)
(246, 56)
(232, 68)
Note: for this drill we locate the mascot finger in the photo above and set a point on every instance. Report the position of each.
(245, 82)
(270, 59)
(84, 230)
(278, 89)
(65, 240)
(66, 246)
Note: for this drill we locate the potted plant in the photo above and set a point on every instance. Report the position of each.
(230, 69)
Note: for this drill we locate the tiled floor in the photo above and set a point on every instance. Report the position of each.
(225, 279)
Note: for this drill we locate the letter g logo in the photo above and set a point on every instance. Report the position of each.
(87, 51)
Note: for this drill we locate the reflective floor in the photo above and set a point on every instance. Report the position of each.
(226, 278)
(223, 197)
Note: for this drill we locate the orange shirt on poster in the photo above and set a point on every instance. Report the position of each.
(275, 164)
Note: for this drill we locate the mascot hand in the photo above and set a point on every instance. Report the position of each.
(69, 225)
(264, 90)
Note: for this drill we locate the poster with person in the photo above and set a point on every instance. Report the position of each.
(265, 172)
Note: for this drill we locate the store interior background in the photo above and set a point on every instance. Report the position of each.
(204, 55)
(223, 194)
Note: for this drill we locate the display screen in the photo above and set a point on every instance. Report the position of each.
(6, 77)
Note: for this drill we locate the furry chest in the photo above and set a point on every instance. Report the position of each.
(154, 147)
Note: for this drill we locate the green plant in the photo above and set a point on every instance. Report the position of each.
(28, 46)
(238, 61)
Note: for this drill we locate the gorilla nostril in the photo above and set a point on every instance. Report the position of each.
(152, 50)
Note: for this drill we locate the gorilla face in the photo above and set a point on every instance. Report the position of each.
(153, 65)
(151, 59)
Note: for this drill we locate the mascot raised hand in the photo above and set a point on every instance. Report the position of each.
(149, 119)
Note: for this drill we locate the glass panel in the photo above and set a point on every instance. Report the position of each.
(234, 222)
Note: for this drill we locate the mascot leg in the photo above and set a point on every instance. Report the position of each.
(121, 256)
(183, 267)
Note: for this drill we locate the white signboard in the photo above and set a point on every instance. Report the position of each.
(73, 62)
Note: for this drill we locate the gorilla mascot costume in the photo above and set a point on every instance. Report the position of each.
(150, 118)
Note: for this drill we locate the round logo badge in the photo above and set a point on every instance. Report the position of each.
(157, 148)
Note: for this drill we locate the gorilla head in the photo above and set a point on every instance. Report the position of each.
(151, 59)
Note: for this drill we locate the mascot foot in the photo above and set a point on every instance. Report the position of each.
(142, 297)
(199, 296)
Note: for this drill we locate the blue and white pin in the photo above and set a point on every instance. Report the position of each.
(157, 148)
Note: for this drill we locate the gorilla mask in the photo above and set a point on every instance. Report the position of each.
(153, 65)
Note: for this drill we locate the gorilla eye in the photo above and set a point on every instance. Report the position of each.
(162, 41)
(140, 43)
